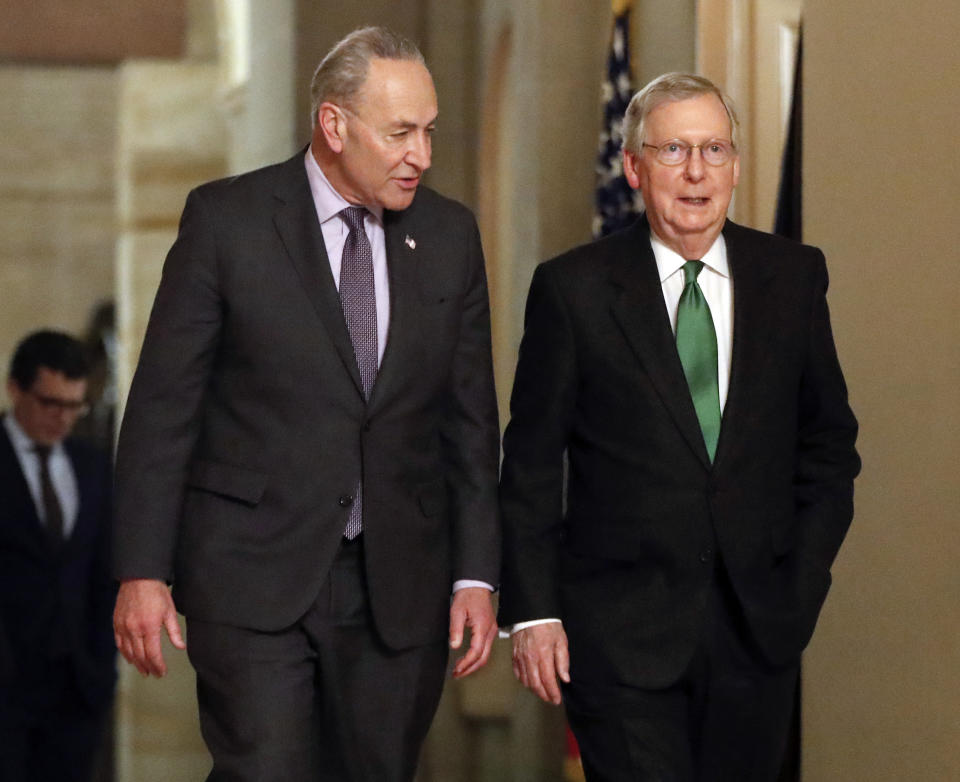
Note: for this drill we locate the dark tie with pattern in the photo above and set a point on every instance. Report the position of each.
(358, 299)
(697, 346)
(52, 512)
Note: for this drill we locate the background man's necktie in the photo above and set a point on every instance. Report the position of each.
(359, 303)
(53, 513)
(697, 346)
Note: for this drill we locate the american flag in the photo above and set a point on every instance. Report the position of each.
(614, 199)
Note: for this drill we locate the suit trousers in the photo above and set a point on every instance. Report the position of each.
(726, 720)
(50, 734)
(324, 699)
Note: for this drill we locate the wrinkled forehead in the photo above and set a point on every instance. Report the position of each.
(703, 113)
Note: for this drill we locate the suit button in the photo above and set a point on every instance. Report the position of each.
(705, 555)
(346, 500)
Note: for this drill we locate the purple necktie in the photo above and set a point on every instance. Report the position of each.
(359, 302)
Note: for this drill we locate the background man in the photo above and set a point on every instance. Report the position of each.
(319, 345)
(687, 367)
(57, 669)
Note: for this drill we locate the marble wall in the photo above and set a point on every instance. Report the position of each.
(57, 224)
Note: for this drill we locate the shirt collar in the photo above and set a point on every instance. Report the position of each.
(669, 261)
(19, 439)
(327, 201)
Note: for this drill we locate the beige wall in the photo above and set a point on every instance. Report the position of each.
(56, 197)
(882, 184)
(91, 31)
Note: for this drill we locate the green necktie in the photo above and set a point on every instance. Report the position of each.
(697, 346)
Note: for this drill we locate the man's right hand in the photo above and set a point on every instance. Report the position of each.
(540, 656)
(144, 605)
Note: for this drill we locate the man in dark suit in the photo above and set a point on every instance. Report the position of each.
(309, 451)
(686, 368)
(57, 669)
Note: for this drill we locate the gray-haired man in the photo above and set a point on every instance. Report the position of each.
(309, 452)
(687, 368)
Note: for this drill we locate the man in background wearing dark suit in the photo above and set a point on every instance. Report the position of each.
(309, 452)
(57, 670)
(687, 369)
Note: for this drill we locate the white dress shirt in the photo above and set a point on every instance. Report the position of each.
(717, 287)
(61, 474)
(329, 203)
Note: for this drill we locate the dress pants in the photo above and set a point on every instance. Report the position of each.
(324, 699)
(48, 733)
(725, 720)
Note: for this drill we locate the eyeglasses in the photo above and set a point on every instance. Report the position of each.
(675, 152)
(50, 403)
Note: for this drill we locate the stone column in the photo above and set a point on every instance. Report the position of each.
(257, 89)
(170, 138)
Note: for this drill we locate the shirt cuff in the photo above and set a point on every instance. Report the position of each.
(465, 583)
(508, 630)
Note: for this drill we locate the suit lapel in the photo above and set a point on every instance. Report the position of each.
(296, 221)
(751, 274)
(639, 309)
(19, 507)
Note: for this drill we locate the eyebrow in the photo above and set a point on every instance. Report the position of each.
(406, 124)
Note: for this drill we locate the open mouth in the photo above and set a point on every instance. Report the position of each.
(695, 201)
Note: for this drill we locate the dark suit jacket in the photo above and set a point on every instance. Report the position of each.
(59, 604)
(246, 431)
(629, 565)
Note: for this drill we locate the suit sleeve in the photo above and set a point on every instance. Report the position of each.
(160, 422)
(470, 433)
(826, 459)
(532, 479)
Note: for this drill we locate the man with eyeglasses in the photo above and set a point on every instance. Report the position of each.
(665, 587)
(57, 668)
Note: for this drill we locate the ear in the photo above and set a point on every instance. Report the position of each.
(736, 170)
(331, 126)
(631, 168)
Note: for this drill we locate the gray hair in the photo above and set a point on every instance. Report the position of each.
(342, 73)
(671, 87)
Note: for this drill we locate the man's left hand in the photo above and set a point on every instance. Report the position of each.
(472, 607)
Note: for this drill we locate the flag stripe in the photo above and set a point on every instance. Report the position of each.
(614, 198)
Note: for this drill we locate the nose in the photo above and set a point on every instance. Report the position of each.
(419, 151)
(694, 167)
